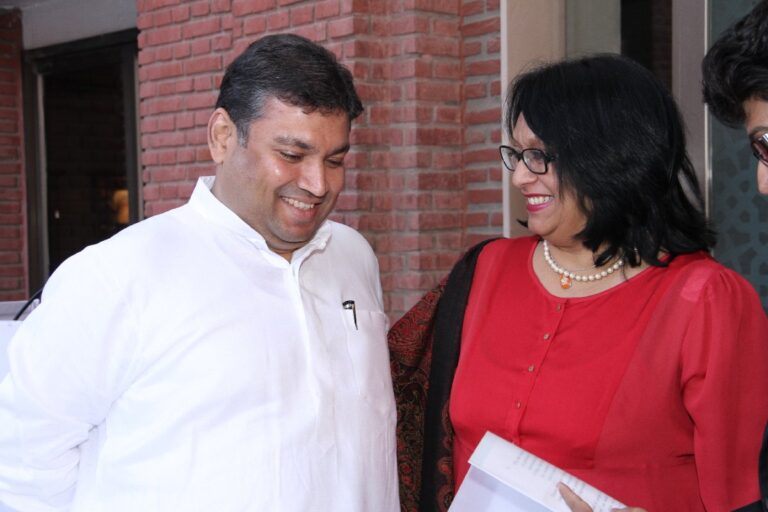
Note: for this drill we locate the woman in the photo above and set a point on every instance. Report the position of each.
(608, 343)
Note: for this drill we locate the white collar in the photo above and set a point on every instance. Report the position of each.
(209, 206)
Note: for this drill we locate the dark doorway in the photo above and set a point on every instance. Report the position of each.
(646, 35)
(86, 187)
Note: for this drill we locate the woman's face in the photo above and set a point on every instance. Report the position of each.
(552, 215)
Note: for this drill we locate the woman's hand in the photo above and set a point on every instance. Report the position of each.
(577, 504)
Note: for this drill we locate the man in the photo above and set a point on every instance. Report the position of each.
(736, 82)
(227, 355)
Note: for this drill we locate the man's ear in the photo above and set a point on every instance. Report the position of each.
(222, 134)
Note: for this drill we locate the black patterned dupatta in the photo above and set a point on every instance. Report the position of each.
(424, 351)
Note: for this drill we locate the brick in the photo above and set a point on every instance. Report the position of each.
(144, 21)
(201, 28)
(161, 18)
(160, 105)
(254, 25)
(181, 13)
(165, 35)
(447, 160)
(221, 6)
(449, 69)
(202, 64)
(199, 9)
(166, 174)
(409, 24)
(199, 100)
(484, 196)
(302, 15)
(278, 20)
(185, 155)
(438, 91)
(481, 155)
(347, 26)
(184, 120)
(428, 45)
(478, 28)
(222, 42)
(10, 167)
(471, 48)
(483, 116)
(446, 27)
(244, 7)
(327, 9)
(200, 46)
(475, 90)
(203, 83)
(473, 7)
(494, 45)
(164, 70)
(436, 180)
(488, 67)
(439, 6)
(416, 67)
(433, 136)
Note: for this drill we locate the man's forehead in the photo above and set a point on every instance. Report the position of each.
(756, 116)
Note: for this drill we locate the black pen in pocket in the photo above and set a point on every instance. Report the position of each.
(350, 304)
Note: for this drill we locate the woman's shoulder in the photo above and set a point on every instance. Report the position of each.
(509, 248)
(699, 276)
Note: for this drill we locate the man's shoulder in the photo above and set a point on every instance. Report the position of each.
(135, 245)
(346, 238)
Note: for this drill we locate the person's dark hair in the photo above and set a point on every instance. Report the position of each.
(735, 68)
(292, 69)
(619, 142)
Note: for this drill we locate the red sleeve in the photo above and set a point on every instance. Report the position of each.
(725, 381)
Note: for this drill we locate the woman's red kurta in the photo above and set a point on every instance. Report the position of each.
(654, 391)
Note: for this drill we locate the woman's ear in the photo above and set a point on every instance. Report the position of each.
(222, 134)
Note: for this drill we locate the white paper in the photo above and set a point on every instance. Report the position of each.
(504, 477)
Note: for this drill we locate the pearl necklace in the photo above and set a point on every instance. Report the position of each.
(567, 277)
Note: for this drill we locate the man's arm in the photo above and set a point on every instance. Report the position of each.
(66, 365)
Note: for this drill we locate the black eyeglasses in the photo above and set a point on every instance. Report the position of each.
(760, 148)
(534, 159)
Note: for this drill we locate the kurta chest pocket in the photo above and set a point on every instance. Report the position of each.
(366, 339)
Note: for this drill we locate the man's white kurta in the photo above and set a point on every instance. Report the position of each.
(183, 366)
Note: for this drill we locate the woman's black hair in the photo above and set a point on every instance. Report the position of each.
(292, 69)
(620, 146)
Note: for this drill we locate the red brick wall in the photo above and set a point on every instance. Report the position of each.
(13, 232)
(423, 180)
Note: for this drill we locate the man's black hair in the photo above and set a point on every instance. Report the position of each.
(292, 69)
(735, 68)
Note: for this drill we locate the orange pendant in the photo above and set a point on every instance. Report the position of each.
(565, 281)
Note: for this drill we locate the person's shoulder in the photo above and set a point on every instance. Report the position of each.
(700, 276)
(507, 247)
(134, 246)
(347, 238)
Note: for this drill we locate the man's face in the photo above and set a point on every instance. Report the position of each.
(286, 181)
(756, 111)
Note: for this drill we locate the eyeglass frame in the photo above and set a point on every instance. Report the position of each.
(520, 155)
(761, 141)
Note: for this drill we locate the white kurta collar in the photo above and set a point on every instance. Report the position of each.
(210, 207)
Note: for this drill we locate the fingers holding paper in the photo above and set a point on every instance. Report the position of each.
(576, 504)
